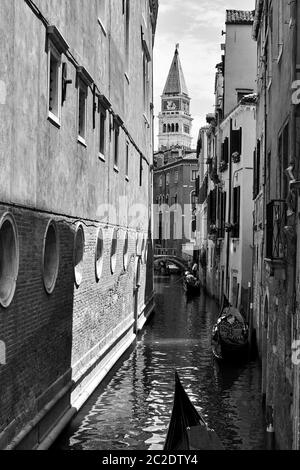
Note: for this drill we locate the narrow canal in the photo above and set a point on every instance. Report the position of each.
(133, 409)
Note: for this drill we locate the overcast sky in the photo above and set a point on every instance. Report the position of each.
(196, 25)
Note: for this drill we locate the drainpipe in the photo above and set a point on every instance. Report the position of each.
(293, 147)
(229, 212)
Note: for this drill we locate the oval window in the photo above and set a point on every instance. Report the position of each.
(125, 252)
(78, 255)
(99, 255)
(113, 252)
(50, 257)
(9, 259)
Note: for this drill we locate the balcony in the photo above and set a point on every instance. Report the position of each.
(276, 245)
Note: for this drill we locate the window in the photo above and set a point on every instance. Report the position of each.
(176, 177)
(222, 213)
(116, 134)
(164, 128)
(84, 80)
(186, 129)
(256, 173)
(99, 255)
(126, 12)
(146, 59)
(56, 47)
(225, 150)
(160, 181)
(54, 86)
(194, 175)
(236, 212)
(50, 257)
(236, 141)
(172, 128)
(102, 131)
(78, 255)
(127, 162)
(280, 28)
(9, 259)
(145, 80)
(168, 179)
(177, 128)
(82, 96)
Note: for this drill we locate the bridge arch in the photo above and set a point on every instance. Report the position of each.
(180, 262)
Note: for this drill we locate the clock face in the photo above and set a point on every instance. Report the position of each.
(170, 105)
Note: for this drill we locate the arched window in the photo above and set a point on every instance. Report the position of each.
(165, 128)
(169, 128)
(177, 127)
(173, 128)
(167, 199)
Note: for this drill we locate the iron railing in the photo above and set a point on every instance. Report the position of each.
(276, 221)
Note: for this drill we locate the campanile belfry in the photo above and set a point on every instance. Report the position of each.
(175, 121)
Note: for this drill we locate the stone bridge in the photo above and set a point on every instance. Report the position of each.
(166, 254)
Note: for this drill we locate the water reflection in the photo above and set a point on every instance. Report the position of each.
(133, 410)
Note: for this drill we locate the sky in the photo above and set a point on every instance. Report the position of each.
(197, 26)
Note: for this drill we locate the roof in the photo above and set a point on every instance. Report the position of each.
(239, 16)
(176, 82)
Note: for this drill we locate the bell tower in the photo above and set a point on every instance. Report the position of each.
(175, 121)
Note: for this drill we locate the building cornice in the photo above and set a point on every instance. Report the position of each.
(257, 17)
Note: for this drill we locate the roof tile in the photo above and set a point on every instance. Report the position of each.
(239, 17)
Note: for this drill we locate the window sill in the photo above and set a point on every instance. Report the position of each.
(127, 78)
(102, 27)
(54, 119)
(81, 141)
(101, 157)
(116, 168)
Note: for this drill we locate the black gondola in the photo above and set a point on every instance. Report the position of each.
(187, 428)
(191, 284)
(230, 334)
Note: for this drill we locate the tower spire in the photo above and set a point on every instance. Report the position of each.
(175, 120)
(176, 82)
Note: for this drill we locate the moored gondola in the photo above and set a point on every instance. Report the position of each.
(187, 429)
(230, 334)
(191, 284)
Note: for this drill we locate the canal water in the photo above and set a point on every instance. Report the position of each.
(132, 410)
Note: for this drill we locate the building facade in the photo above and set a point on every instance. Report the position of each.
(175, 169)
(276, 222)
(75, 247)
(226, 151)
